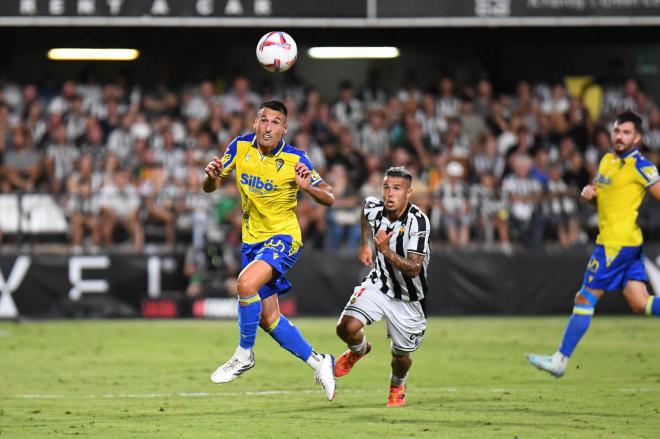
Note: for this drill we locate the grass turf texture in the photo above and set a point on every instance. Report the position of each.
(469, 379)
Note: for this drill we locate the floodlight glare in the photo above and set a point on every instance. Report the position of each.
(77, 54)
(354, 52)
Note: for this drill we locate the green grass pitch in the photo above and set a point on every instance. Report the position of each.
(121, 379)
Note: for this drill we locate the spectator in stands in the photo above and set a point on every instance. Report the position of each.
(92, 142)
(452, 200)
(560, 207)
(490, 211)
(523, 195)
(240, 97)
(486, 158)
(433, 124)
(558, 102)
(454, 142)
(61, 156)
(83, 212)
(120, 140)
(22, 162)
(448, 104)
(374, 138)
(120, 205)
(484, 98)
(344, 216)
(160, 194)
(473, 123)
(348, 109)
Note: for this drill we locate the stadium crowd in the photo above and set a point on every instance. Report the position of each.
(493, 170)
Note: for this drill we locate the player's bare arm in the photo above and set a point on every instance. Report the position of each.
(365, 253)
(411, 265)
(322, 193)
(589, 193)
(654, 190)
(212, 179)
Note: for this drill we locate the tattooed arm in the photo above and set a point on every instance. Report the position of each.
(365, 254)
(410, 265)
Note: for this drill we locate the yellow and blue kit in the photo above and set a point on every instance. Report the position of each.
(621, 184)
(268, 189)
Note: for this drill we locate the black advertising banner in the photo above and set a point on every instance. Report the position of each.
(461, 283)
(183, 8)
(361, 10)
(517, 8)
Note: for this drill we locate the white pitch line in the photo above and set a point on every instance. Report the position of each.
(278, 392)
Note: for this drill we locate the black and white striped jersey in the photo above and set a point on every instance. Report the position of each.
(411, 234)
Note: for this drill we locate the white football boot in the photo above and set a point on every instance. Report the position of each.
(325, 376)
(232, 369)
(555, 364)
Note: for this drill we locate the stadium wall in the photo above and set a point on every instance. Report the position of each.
(472, 283)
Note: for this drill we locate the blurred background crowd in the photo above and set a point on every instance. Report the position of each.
(97, 165)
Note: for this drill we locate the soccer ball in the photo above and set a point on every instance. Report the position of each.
(277, 52)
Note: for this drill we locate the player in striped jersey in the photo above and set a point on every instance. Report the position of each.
(396, 287)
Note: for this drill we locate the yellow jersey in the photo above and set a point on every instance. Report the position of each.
(621, 184)
(267, 186)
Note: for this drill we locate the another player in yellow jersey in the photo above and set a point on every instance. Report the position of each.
(624, 176)
(269, 174)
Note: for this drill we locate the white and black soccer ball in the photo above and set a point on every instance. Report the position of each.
(277, 51)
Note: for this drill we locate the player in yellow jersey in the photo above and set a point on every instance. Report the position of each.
(269, 174)
(624, 176)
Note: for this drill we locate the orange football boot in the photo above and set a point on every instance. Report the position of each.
(397, 396)
(347, 360)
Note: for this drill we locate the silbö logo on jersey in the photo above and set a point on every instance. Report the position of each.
(256, 184)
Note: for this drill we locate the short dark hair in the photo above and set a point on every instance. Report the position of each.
(274, 105)
(629, 116)
(399, 171)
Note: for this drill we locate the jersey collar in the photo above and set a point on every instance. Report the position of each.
(403, 215)
(275, 152)
(626, 154)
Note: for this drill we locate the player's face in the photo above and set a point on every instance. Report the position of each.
(396, 194)
(270, 126)
(624, 136)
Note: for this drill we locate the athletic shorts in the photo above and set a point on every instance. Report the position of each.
(406, 323)
(626, 265)
(280, 252)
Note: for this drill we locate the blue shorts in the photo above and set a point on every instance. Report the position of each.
(280, 252)
(627, 265)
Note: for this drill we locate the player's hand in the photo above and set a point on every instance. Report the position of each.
(303, 176)
(382, 240)
(214, 168)
(365, 255)
(589, 192)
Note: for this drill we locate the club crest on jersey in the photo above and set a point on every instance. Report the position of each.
(279, 163)
(248, 156)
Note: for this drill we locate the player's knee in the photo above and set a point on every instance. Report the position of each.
(638, 306)
(268, 319)
(580, 299)
(347, 327)
(246, 286)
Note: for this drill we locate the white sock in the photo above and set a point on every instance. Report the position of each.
(359, 348)
(395, 381)
(314, 360)
(243, 354)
